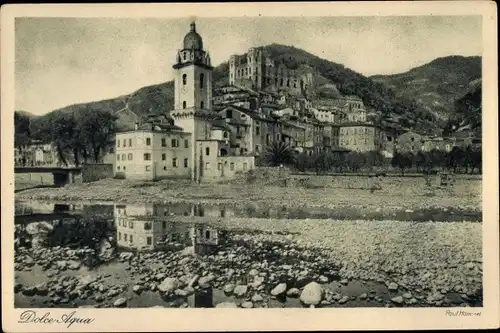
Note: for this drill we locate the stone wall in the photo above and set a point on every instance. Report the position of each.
(272, 173)
(93, 172)
(45, 178)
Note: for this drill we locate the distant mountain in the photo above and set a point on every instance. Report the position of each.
(331, 79)
(436, 86)
(26, 114)
(468, 109)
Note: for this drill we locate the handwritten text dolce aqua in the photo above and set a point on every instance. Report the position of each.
(31, 317)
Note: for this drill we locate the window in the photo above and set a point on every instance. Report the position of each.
(164, 224)
(124, 143)
(163, 157)
(202, 105)
(118, 167)
(148, 141)
(229, 114)
(130, 142)
(119, 236)
(257, 130)
(118, 157)
(148, 167)
(207, 151)
(175, 143)
(186, 143)
(185, 162)
(207, 165)
(147, 157)
(130, 156)
(257, 148)
(184, 104)
(124, 167)
(164, 168)
(147, 226)
(241, 151)
(174, 162)
(225, 134)
(125, 236)
(244, 167)
(131, 238)
(131, 224)
(163, 142)
(207, 234)
(219, 166)
(267, 139)
(149, 240)
(184, 77)
(202, 80)
(231, 166)
(118, 143)
(123, 157)
(412, 139)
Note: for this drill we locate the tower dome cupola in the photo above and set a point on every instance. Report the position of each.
(193, 41)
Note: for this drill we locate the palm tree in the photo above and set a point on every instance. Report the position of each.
(279, 153)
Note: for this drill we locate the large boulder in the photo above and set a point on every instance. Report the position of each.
(240, 290)
(169, 285)
(279, 289)
(37, 228)
(226, 305)
(312, 294)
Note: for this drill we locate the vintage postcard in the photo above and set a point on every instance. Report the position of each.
(239, 166)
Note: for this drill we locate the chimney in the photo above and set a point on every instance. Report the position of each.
(136, 125)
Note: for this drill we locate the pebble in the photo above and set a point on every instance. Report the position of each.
(397, 299)
(344, 299)
(392, 286)
(240, 290)
(247, 305)
(226, 305)
(121, 302)
(229, 288)
(279, 289)
(293, 292)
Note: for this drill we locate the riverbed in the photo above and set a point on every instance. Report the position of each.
(254, 255)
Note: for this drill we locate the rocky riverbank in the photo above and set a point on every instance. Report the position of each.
(264, 270)
(327, 192)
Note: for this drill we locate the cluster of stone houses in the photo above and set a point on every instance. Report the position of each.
(37, 153)
(213, 134)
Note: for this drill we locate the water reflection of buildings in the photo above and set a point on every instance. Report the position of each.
(146, 227)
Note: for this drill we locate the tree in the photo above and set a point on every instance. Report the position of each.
(455, 158)
(302, 162)
(279, 153)
(22, 130)
(420, 160)
(402, 161)
(65, 138)
(96, 130)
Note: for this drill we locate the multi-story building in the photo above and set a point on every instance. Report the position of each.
(256, 70)
(153, 151)
(143, 227)
(409, 142)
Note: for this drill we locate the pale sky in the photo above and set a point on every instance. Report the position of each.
(63, 61)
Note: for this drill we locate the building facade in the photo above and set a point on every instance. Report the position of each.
(196, 139)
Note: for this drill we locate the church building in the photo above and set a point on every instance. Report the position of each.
(202, 150)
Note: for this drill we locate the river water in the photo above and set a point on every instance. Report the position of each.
(126, 250)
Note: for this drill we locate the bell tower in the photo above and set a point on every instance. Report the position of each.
(193, 91)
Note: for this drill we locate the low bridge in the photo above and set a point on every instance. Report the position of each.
(62, 176)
